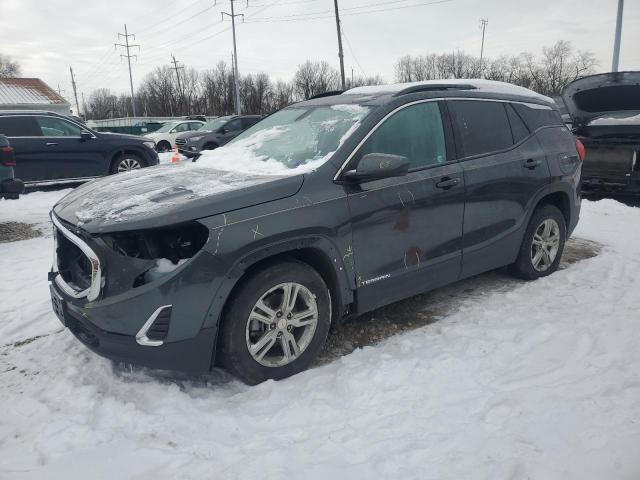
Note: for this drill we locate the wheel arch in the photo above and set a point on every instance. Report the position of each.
(318, 253)
(560, 199)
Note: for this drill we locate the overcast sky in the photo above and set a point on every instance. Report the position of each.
(46, 37)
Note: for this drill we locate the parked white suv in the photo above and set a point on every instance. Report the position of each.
(165, 136)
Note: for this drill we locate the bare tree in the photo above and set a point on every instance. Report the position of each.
(313, 78)
(9, 67)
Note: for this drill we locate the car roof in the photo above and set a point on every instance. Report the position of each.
(30, 112)
(374, 95)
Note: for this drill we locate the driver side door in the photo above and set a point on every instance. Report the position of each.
(407, 231)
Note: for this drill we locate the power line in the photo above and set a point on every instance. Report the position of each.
(277, 19)
(352, 53)
(128, 56)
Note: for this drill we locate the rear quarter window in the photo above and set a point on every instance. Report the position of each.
(483, 126)
(538, 116)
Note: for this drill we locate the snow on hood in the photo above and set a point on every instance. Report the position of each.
(177, 192)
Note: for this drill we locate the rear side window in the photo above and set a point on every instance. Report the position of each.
(518, 128)
(22, 126)
(483, 126)
(538, 116)
(414, 132)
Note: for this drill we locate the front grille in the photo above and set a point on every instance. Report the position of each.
(181, 142)
(73, 265)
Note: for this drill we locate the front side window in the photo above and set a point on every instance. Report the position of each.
(233, 125)
(483, 126)
(414, 132)
(56, 127)
(21, 126)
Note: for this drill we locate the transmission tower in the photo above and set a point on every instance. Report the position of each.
(128, 56)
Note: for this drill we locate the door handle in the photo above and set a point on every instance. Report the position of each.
(446, 183)
(531, 164)
(52, 144)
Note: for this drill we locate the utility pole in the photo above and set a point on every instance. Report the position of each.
(84, 106)
(483, 27)
(61, 91)
(176, 67)
(233, 16)
(128, 56)
(616, 43)
(75, 93)
(340, 54)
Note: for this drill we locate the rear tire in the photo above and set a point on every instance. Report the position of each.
(264, 336)
(542, 245)
(125, 163)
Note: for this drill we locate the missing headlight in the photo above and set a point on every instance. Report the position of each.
(172, 243)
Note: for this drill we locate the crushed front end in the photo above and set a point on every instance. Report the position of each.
(138, 297)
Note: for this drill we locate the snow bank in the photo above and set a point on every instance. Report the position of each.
(480, 84)
(541, 381)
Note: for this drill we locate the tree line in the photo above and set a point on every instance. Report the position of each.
(211, 92)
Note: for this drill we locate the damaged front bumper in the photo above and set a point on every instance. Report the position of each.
(159, 321)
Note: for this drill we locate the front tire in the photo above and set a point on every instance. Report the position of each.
(542, 245)
(276, 324)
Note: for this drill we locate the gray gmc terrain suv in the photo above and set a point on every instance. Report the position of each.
(330, 207)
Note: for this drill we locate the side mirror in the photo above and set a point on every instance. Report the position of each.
(374, 166)
(85, 135)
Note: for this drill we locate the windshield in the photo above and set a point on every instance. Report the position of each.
(213, 125)
(292, 140)
(166, 127)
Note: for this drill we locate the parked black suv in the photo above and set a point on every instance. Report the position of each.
(330, 207)
(214, 134)
(605, 110)
(52, 148)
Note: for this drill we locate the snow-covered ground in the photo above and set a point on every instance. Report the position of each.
(540, 382)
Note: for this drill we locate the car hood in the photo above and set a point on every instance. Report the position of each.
(123, 136)
(597, 95)
(166, 195)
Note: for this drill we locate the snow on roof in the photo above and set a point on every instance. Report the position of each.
(491, 86)
(28, 91)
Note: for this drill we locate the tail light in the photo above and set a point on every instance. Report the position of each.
(582, 152)
(11, 161)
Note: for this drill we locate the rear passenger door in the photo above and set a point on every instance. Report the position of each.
(504, 167)
(407, 231)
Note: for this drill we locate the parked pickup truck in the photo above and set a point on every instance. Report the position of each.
(605, 110)
(10, 187)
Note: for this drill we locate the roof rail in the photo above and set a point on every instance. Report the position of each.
(439, 87)
(330, 93)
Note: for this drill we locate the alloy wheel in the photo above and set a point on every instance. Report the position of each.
(128, 164)
(281, 324)
(545, 245)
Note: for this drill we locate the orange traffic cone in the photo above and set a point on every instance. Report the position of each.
(176, 156)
